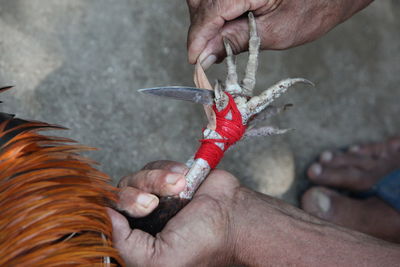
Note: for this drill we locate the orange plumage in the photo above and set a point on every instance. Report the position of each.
(52, 200)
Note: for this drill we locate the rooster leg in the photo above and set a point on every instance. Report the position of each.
(264, 131)
(231, 84)
(224, 93)
(249, 80)
(267, 113)
(258, 103)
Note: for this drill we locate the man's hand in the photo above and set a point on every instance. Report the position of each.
(202, 233)
(281, 24)
(226, 224)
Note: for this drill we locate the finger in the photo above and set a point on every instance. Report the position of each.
(270, 28)
(208, 20)
(200, 32)
(159, 182)
(236, 32)
(193, 5)
(169, 165)
(120, 225)
(135, 202)
(134, 246)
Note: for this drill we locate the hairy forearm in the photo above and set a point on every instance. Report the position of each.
(274, 233)
(282, 24)
(314, 19)
(338, 11)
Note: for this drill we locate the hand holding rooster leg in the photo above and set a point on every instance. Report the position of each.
(226, 223)
(162, 178)
(232, 109)
(200, 234)
(281, 24)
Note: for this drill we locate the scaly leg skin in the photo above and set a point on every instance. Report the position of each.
(265, 131)
(248, 105)
(231, 84)
(249, 80)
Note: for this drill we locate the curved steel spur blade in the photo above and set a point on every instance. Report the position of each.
(192, 94)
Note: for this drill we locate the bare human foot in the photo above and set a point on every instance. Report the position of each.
(358, 169)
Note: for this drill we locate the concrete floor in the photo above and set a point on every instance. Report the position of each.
(79, 64)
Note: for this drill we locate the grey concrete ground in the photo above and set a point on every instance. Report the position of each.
(79, 63)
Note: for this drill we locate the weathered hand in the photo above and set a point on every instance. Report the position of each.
(281, 24)
(226, 223)
(202, 233)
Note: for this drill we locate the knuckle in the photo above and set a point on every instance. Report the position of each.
(155, 179)
(123, 182)
(153, 175)
(236, 42)
(136, 179)
(151, 165)
(160, 164)
(166, 164)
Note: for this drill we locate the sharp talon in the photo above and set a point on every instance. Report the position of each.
(217, 91)
(265, 131)
(231, 83)
(252, 24)
(299, 80)
(220, 97)
(249, 80)
(306, 82)
(227, 46)
(258, 103)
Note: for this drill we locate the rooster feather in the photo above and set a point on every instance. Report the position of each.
(52, 200)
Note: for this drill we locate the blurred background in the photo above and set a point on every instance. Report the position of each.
(79, 64)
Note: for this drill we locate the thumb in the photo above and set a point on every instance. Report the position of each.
(236, 32)
(133, 245)
(211, 20)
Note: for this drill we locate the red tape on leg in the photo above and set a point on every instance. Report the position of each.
(231, 131)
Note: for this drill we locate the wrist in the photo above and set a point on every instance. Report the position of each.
(271, 232)
(253, 216)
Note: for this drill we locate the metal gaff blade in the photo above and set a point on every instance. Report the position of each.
(192, 94)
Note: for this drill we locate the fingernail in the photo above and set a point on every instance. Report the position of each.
(172, 178)
(208, 61)
(322, 200)
(145, 200)
(179, 169)
(354, 148)
(175, 184)
(326, 156)
(316, 169)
